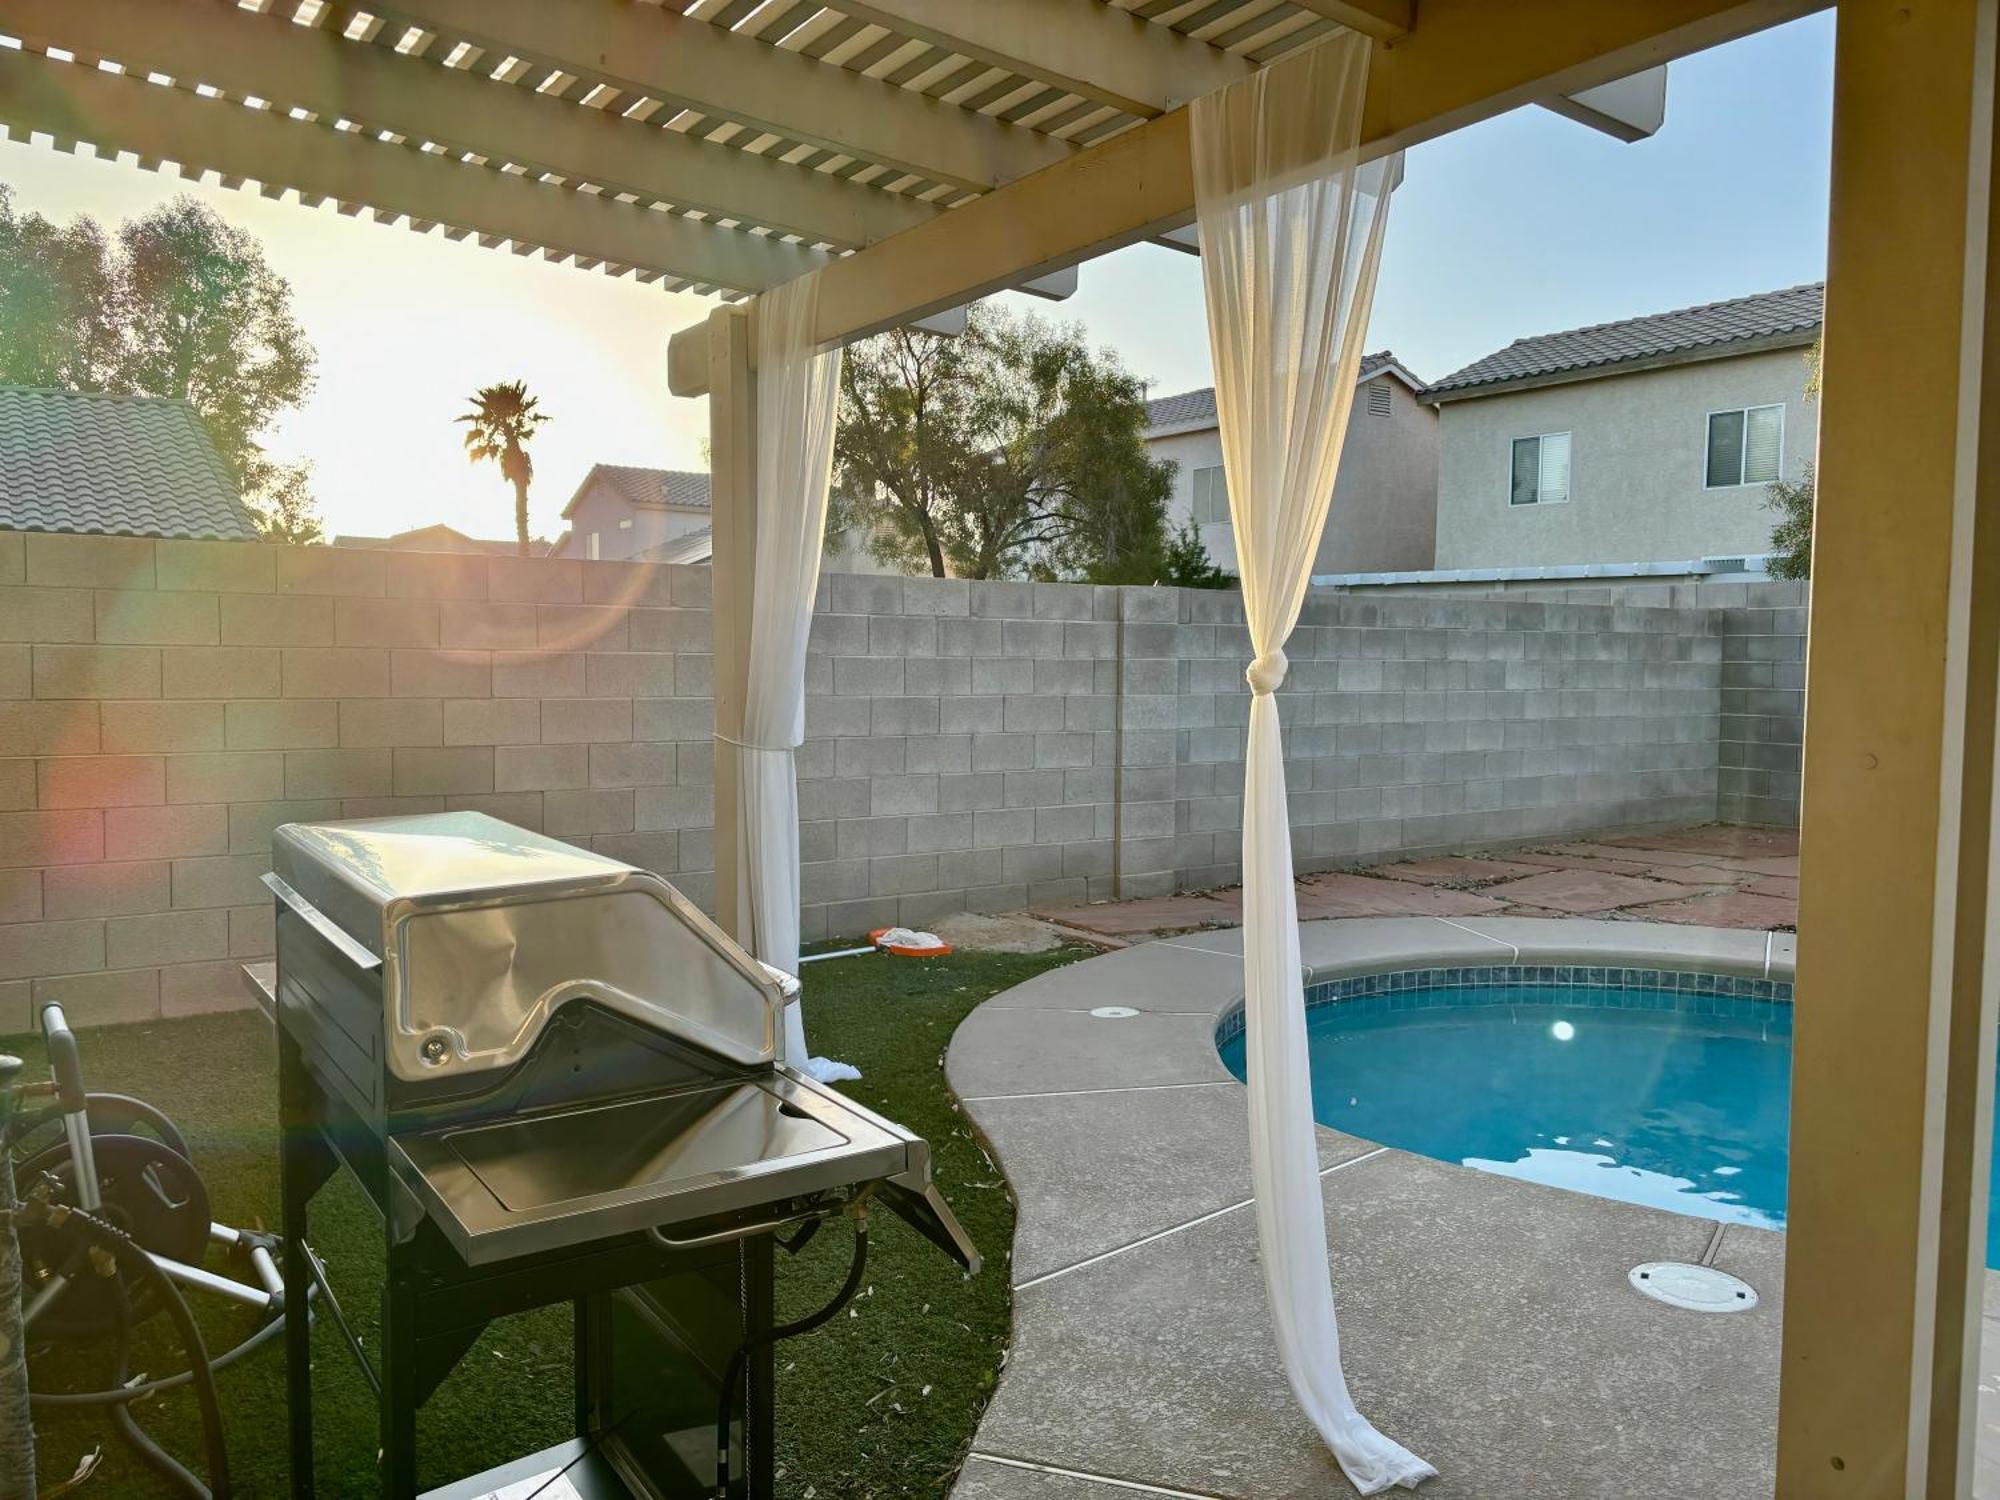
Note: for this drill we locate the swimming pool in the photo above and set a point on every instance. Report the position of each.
(1648, 1086)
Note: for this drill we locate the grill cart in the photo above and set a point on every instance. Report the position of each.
(557, 1081)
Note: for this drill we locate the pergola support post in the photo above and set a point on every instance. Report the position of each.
(732, 438)
(1884, 1262)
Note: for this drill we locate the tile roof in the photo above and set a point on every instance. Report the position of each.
(1188, 409)
(1790, 316)
(124, 465)
(677, 487)
(442, 538)
(1191, 411)
(696, 546)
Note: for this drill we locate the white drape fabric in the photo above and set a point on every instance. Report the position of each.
(798, 394)
(1291, 235)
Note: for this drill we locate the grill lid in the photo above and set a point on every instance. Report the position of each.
(484, 929)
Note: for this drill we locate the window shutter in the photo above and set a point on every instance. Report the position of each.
(1725, 449)
(1527, 471)
(1379, 398)
(1554, 482)
(1763, 443)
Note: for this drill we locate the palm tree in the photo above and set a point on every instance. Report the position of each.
(502, 420)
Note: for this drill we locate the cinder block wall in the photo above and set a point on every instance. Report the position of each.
(1763, 627)
(1419, 724)
(164, 704)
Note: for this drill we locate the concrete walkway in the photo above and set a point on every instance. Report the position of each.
(1486, 1323)
(1713, 876)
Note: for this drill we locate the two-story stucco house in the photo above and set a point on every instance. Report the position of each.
(620, 512)
(1384, 500)
(662, 515)
(1654, 439)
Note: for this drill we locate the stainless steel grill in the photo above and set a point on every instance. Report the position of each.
(556, 1080)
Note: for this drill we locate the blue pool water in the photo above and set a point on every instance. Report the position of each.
(1627, 1093)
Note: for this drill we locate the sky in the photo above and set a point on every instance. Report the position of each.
(1522, 225)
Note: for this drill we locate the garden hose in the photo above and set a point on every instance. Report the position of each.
(733, 1375)
(119, 1395)
(107, 1240)
(124, 1423)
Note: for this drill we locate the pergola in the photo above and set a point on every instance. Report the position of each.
(925, 153)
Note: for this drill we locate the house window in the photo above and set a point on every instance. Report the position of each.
(1541, 470)
(1211, 497)
(626, 524)
(593, 546)
(1379, 398)
(1745, 446)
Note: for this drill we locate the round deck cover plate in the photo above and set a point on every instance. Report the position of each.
(1114, 1013)
(1696, 1288)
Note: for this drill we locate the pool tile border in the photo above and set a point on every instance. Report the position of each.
(1599, 986)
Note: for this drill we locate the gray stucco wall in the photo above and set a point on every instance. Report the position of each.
(1384, 500)
(1637, 456)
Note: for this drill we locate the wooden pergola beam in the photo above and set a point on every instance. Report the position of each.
(1385, 20)
(1466, 61)
(646, 49)
(246, 54)
(113, 113)
(1093, 51)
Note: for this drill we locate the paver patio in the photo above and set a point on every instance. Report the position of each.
(1711, 876)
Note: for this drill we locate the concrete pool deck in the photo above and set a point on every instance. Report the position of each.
(1486, 1323)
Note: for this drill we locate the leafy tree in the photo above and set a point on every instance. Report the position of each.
(1793, 499)
(59, 303)
(1011, 450)
(183, 304)
(1791, 537)
(285, 513)
(497, 430)
(1186, 563)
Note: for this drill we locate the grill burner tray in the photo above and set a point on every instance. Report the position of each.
(529, 1183)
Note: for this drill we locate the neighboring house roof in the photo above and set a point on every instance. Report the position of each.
(679, 489)
(441, 538)
(692, 547)
(1770, 320)
(1194, 411)
(120, 465)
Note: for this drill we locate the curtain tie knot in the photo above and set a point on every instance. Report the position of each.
(1267, 673)
(753, 746)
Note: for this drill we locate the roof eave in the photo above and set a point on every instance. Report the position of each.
(1793, 338)
(1180, 429)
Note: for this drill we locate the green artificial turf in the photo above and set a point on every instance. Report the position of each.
(881, 1402)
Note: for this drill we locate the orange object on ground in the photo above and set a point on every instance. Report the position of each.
(905, 943)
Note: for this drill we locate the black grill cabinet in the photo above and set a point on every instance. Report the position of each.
(556, 1081)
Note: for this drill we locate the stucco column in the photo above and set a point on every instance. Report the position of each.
(1884, 1261)
(732, 438)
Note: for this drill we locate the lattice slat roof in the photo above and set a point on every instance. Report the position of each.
(713, 145)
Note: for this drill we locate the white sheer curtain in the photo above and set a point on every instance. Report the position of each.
(1291, 234)
(798, 393)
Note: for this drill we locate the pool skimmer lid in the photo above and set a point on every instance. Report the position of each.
(1696, 1288)
(1114, 1012)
